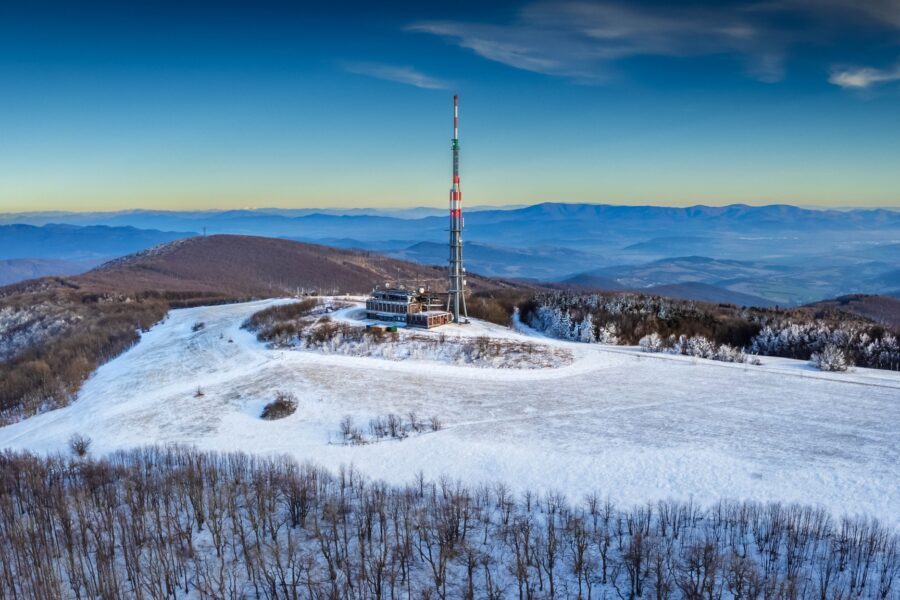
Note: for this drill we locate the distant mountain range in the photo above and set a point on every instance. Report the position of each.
(74, 243)
(536, 263)
(881, 309)
(768, 254)
(20, 269)
(689, 290)
(28, 251)
(548, 223)
(759, 283)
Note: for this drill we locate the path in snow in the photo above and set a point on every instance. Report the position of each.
(632, 426)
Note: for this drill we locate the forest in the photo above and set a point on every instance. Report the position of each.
(173, 522)
(834, 341)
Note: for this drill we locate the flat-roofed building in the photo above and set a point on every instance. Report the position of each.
(400, 305)
(429, 318)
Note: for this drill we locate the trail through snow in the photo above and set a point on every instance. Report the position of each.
(632, 426)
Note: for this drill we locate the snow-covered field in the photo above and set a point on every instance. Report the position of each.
(634, 427)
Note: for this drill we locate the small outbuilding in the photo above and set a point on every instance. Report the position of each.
(429, 318)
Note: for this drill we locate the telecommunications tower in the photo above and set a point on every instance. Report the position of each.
(456, 288)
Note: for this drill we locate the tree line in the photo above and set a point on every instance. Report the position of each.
(55, 333)
(718, 332)
(174, 522)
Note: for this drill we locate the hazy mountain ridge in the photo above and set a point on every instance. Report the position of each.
(884, 309)
(539, 262)
(736, 217)
(798, 255)
(693, 290)
(20, 269)
(785, 284)
(72, 242)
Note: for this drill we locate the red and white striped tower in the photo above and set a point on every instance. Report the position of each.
(456, 298)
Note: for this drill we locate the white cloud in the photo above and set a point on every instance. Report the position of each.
(398, 74)
(860, 78)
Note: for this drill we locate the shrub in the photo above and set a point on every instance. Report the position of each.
(284, 405)
(414, 422)
(391, 426)
(351, 434)
(490, 308)
(651, 343)
(80, 445)
(281, 312)
(198, 326)
(830, 358)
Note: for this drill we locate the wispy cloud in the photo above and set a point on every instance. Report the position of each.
(861, 78)
(882, 14)
(885, 12)
(581, 40)
(399, 74)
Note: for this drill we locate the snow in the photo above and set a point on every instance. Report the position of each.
(633, 426)
(472, 345)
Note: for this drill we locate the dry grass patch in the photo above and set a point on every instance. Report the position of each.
(284, 405)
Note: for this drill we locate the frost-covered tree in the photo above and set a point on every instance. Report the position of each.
(584, 330)
(651, 343)
(711, 332)
(608, 334)
(830, 358)
(564, 329)
(701, 347)
(727, 353)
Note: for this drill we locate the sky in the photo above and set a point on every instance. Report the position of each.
(219, 105)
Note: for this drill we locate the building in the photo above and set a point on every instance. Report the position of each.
(412, 307)
(429, 318)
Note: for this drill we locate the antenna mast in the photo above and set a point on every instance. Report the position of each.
(456, 289)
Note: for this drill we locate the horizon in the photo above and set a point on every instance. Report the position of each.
(411, 208)
(173, 106)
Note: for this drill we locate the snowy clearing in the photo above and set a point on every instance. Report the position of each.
(343, 332)
(633, 426)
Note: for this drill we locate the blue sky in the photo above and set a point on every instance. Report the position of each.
(223, 105)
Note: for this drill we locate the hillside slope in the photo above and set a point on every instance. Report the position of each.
(880, 309)
(258, 266)
(694, 290)
(688, 290)
(57, 331)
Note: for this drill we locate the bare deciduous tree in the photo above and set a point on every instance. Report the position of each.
(175, 522)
